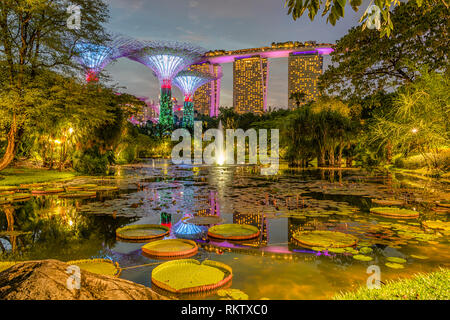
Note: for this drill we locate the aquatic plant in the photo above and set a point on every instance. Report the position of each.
(233, 231)
(99, 266)
(170, 248)
(142, 232)
(188, 275)
(326, 239)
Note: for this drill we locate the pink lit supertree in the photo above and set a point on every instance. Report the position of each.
(188, 82)
(94, 57)
(166, 59)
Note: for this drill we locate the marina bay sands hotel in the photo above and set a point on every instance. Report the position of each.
(250, 75)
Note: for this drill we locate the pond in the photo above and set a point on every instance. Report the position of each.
(274, 265)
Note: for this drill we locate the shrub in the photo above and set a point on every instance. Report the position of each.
(91, 162)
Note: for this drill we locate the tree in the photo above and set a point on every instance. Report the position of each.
(364, 63)
(420, 119)
(299, 97)
(336, 10)
(34, 37)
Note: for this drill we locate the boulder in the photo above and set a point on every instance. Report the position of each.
(47, 280)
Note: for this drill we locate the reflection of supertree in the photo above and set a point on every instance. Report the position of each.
(166, 219)
(94, 58)
(188, 82)
(166, 59)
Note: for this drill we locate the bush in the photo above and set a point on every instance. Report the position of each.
(442, 161)
(91, 162)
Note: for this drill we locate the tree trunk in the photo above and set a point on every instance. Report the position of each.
(339, 159)
(8, 157)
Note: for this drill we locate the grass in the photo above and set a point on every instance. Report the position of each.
(16, 176)
(430, 286)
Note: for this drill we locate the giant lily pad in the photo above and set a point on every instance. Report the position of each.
(437, 224)
(383, 202)
(40, 191)
(396, 259)
(362, 257)
(98, 266)
(327, 239)
(394, 265)
(6, 265)
(142, 232)
(78, 194)
(170, 248)
(233, 231)
(188, 275)
(395, 212)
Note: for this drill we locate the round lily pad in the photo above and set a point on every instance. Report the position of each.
(336, 250)
(19, 197)
(365, 250)
(8, 188)
(106, 188)
(6, 265)
(233, 231)
(205, 220)
(394, 265)
(327, 239)
(46, 191)
(396, 259)
(362, 257)
(436, 224)
(78, 194)
(188, 275)
(81, 187)
(142, 232)
(99, 266)
(416, 256)
(170, 248)
(395, 212)
(383, 202)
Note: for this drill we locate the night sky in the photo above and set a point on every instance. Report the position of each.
(217, 24)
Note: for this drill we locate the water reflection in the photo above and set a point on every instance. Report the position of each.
(272, 265)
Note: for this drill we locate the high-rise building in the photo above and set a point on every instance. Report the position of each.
(304, 71)
(207, 97)
(250, 84)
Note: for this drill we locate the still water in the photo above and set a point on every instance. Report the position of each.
(272, 266)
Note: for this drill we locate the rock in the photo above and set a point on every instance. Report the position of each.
(47, 280)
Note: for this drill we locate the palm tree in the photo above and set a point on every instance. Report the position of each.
(299, 97)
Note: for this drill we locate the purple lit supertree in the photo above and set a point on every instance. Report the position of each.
(188, 82)
(166, 60)
(94, 58)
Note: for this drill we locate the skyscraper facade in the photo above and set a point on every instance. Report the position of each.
(207, 97)
(250, 84)
(304, 71)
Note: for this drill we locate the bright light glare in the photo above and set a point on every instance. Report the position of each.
(414, 130)
(220, 159)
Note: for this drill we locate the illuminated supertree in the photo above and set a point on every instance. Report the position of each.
(94, 58)
(188, 82)
(166, 60)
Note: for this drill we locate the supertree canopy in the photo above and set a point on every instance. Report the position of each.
(166, 59)
(94, 58)
(188, 82)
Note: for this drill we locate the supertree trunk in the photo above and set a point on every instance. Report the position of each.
(188, 114)
(166, 110)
